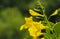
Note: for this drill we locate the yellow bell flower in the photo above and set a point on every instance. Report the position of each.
(33, 13)
(34, 28)
(54, 13)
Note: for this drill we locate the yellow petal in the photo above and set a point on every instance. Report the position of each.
(22, 27)
(32, 31)
(38, 33)
(28, 19)
(55, 13)
(33, 13)
(25, 26)
(34, 38)
(42, 38)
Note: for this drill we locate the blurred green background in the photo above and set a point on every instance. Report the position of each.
(12, 13)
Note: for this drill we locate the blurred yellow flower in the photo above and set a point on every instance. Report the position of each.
(33, 13)
(34, 28)
(54, 13)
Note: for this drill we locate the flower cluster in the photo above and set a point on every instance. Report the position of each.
(34, 28)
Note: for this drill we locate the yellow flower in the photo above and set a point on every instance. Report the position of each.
(33, 13)
(34, 28)
(54, 13)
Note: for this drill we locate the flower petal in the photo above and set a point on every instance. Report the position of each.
(33, 13)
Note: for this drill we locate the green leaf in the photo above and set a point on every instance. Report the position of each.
(56, 28)
(48, 35)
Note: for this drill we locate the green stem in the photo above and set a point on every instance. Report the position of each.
(45, 17)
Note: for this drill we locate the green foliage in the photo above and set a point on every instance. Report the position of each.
(56, 27)
(10, 21)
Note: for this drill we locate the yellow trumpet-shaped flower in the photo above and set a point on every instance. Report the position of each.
(54, 13)
(34, 28)
(33, 13)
